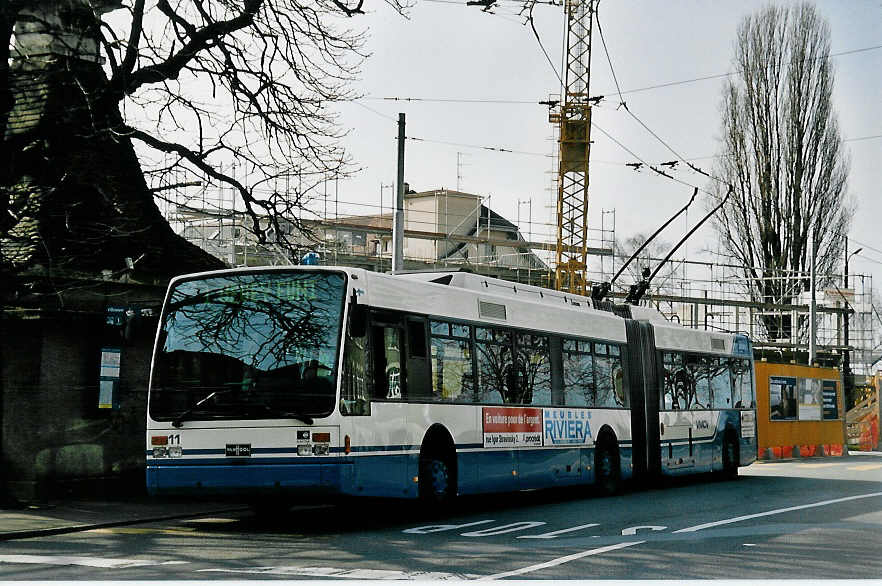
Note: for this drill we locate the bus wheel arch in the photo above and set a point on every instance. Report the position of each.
(437, 467)
(607, 462)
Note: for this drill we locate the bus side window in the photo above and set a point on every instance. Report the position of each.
(452, 369)
(721, 384)
(495, 361)
(533, 362)
(678, 383)
(419, 384)
(578, 373)
(743, 383)
(388, 379)
(356, 393)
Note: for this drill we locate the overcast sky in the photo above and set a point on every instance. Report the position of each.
(479, 78)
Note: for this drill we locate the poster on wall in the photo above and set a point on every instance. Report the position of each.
(828, 394)
(512, 427)
(809, 395)
(108, 378)
(782, 397)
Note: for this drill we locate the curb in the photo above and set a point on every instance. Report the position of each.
(30, 533)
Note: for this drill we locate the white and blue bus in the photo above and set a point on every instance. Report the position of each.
(274, 382)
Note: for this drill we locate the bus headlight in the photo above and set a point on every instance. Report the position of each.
(160, 452)
(175, 451)
(320, 449)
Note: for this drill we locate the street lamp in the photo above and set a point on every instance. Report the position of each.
(846, 353)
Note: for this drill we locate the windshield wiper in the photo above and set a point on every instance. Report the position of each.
(244, 406)
(179, 420)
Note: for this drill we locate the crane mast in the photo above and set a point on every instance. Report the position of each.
(573, 119)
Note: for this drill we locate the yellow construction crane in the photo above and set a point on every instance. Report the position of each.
(572, 116)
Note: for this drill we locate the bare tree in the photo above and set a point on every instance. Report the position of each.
(195, 85)
(783, 154)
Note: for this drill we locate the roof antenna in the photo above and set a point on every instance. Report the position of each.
(599, 292)
(637, 290)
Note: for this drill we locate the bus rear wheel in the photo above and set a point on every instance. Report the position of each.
(607, 474)
(730, 457)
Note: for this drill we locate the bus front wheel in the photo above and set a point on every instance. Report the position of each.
(436, 480)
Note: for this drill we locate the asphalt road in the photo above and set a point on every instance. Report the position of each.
(819, 519)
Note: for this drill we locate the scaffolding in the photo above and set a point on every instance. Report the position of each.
(714, 296)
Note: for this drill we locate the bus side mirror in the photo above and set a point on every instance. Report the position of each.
(358, 315)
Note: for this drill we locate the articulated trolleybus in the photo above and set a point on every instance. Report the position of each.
(275, 382)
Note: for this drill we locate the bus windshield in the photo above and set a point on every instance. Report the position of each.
(249, 346)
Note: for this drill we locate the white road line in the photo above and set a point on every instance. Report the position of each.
(562, 560)
(64, 560)
(617, 546)
(509, 528)
(353, 574)
(776, 512)
(553, 534)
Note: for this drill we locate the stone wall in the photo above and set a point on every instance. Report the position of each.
(55, 438)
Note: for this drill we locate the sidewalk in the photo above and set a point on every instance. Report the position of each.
(81, 515)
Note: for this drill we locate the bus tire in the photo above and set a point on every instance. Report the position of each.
(607, 470)
(730, 456)
(437, 473)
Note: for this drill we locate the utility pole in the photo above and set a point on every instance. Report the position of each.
(847, 380)
(398, 223)
(459, 165)
(813, 313)
(382, 187)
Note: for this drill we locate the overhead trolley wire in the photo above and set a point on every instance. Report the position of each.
(621, 92)
(624, 105)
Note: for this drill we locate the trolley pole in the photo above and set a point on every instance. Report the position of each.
(398, 222)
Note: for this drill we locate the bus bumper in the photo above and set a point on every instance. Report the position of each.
(227, 479)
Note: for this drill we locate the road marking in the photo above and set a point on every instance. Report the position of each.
(436, 528)
(617, 546)
(190, 532)
(776, 512)
(510, 528)
(65, 560)
(865, 467)
(634, 530)
(353, 574)
(562, 560)
(214, 520)
(553, 534)
(817, 465)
